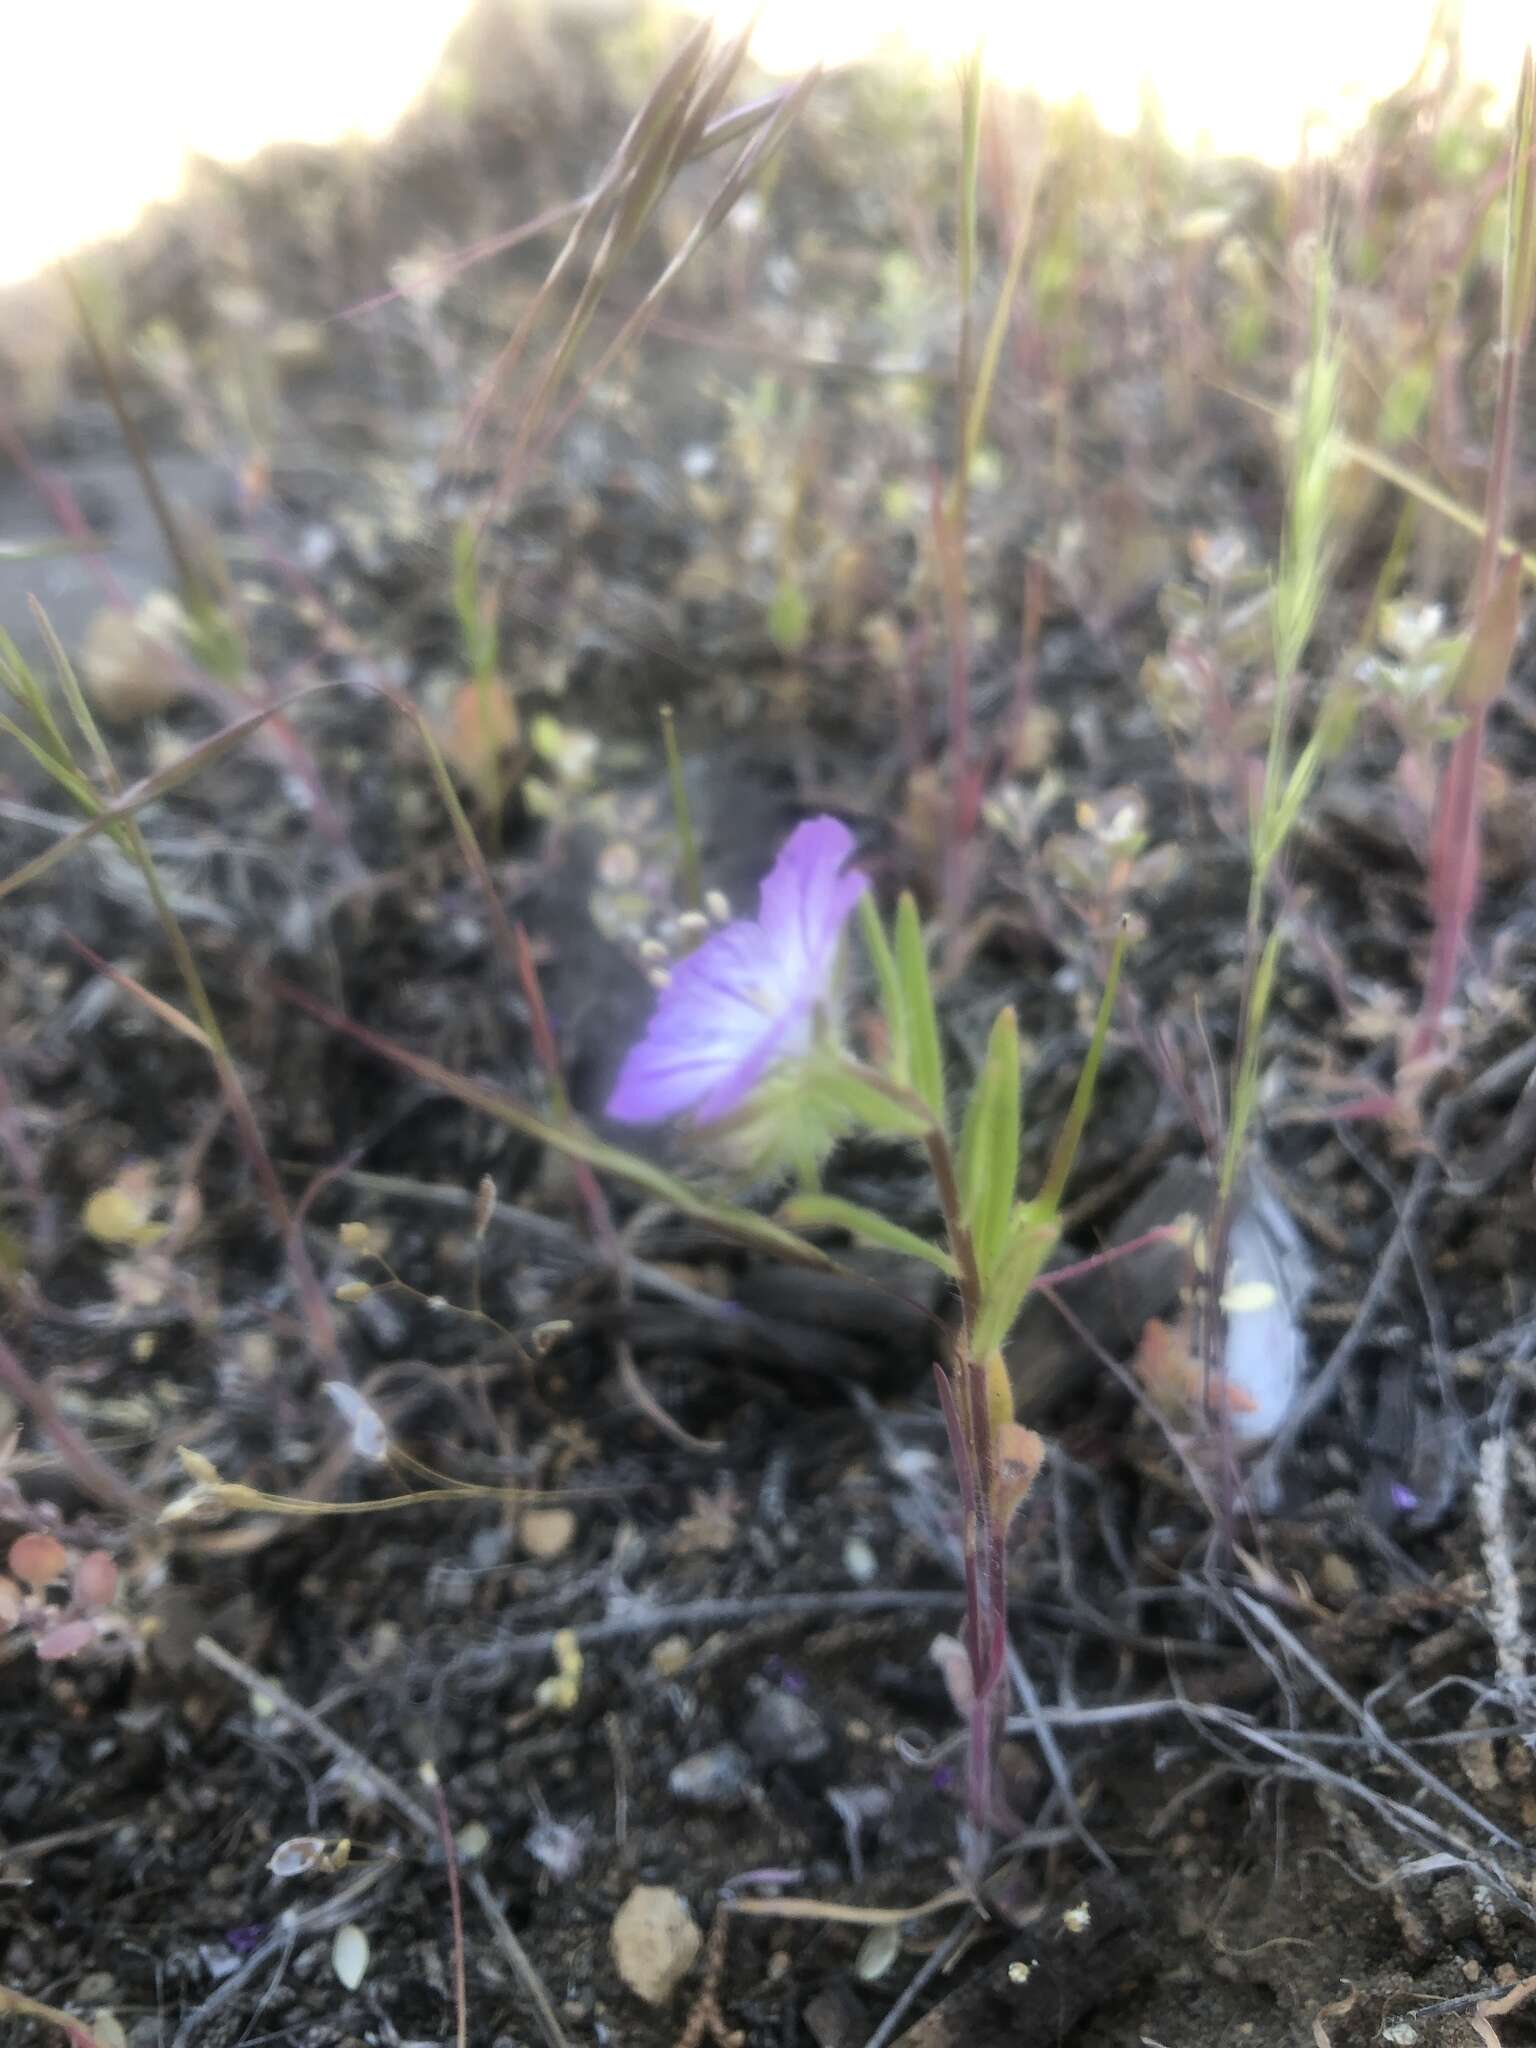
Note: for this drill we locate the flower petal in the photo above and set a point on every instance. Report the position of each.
(707, 1024)
(807, 898)
(785, 1036)
(746, 997)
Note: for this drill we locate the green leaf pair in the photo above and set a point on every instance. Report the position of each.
(914, 1059)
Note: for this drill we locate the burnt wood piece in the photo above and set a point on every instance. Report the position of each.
(1044, 1983)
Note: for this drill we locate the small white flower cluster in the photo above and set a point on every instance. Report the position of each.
(680, 934)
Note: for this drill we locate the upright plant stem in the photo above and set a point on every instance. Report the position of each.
(1455, 852)
(91, 1471)
(951, 510)
(968, 1421)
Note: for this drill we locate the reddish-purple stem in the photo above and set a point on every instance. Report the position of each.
(91, 1471)
(1455, 852)
(960, 1453)
(455, 1904)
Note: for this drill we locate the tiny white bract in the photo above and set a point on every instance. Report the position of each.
(370, 1439)
(349, 1955)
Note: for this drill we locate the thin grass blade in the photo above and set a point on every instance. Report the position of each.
(923, 1045)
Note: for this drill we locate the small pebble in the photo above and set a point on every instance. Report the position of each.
(547, 1532)
(670, 1655)
(717, 1777)
(654, 1939)
(784, 1729)
(130, 672)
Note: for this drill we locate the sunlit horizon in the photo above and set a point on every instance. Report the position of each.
(123, 97)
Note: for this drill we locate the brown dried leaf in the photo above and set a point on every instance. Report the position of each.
(481, 734)
(710, 1526)
(1320, 2036)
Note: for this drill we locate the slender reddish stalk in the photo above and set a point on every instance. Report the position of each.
(1454, 873)
(981, 1715)
(959, 1451)
(91, 1471)
(948, 545)
(1455, 852)
(455, 1900)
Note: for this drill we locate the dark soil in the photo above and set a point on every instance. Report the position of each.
(1272, 1781)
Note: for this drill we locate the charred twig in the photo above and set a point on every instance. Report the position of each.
(1046, 1981)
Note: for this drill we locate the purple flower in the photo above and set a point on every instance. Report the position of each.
(747, 998)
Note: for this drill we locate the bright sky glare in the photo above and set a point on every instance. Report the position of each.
(107, 99)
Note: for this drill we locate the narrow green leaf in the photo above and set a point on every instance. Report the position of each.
(789, 617)
(478, 628)
(1329, 737)
(812, 1212)
(989, 1144)
(74, 697)
(61, 771)
(22, 684)
(997, 332)
(153, 788)
(917, 1005)
(1030, 1241)
(971, 75)
(1245, 1089)
(844, 1095)
(571, 1140)
(883, 960)
(1420, 489)
(1520, 217)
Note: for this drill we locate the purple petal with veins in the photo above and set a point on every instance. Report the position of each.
(747, 998)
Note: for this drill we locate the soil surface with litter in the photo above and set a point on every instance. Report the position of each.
(1269, 1783)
